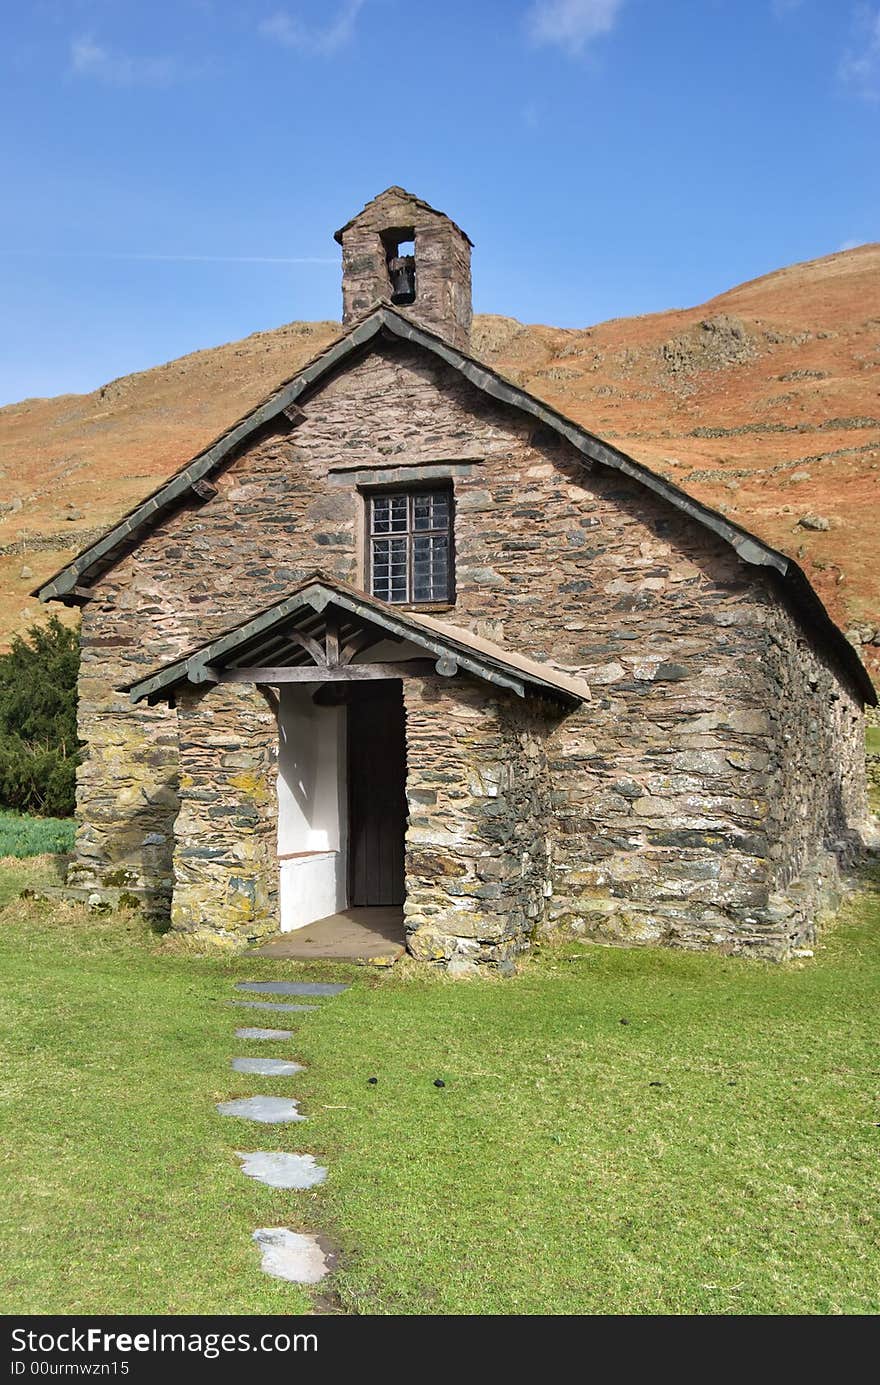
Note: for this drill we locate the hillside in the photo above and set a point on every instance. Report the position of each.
(763, 402)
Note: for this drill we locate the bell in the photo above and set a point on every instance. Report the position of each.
(402, 272)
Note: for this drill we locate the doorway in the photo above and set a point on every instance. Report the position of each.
(376, 794)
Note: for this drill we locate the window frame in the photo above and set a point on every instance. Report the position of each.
(411, 492)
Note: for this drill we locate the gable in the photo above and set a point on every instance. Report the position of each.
(384, 324)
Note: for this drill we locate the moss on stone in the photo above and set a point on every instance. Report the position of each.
(116, 879)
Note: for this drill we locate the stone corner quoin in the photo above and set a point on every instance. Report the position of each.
(706, 793)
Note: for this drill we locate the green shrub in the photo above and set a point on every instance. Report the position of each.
(24, 836)
(39, 749)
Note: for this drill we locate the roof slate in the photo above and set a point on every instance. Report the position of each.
(398, 194)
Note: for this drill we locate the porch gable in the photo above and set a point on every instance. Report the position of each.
(322, 630)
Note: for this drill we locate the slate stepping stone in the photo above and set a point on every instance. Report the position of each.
(267, 1067)
(273, 1005)
(301, 1259)
(282, 1170)
(291, 987)
(270, 1110)
(248, 1033)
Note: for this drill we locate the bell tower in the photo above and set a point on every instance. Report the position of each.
(400, 250)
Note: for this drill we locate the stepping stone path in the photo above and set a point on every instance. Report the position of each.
(269, 1110)
(267, 1067)
(282, 1170)
(290, 987)
(289, 1255)
(274, 1005)
(300, 1258)
(264, 1033)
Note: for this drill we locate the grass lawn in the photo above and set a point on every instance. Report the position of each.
(21, 835)
(715, 1154)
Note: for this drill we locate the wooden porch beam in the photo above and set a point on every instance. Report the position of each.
(357, 644)
(310, 645)
(331, 640)
(343, 673)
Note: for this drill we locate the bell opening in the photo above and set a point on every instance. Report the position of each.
(400, 260)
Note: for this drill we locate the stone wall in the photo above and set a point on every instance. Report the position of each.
(225, 833)
(662, 786)
(126, 797)
(477, 841)
(872, 758)
(818, 802)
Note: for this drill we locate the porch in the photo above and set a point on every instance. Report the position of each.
(369, 935)
(344, 764)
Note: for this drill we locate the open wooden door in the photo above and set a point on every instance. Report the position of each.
(376, 795)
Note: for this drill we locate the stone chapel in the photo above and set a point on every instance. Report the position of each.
(406, 638)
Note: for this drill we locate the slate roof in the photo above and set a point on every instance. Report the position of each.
(399, 193)
(385, 322)
(264, 639)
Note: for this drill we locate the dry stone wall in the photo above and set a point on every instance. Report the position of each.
(674, 796)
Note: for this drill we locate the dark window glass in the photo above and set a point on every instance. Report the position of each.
(409, 544)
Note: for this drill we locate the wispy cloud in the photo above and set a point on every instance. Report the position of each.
(860, 66)
(177, 259)
(851, 244)
(226, 259)
(321, 39)
(571, 24)
(117, 69)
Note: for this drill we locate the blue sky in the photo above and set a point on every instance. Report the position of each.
(173, 172)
